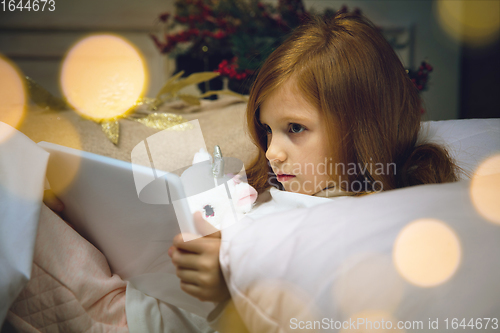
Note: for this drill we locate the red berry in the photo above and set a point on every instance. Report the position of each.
(164, 17)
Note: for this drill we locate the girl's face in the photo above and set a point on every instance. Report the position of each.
(297, 141)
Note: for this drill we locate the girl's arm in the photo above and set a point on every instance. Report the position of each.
(198, 267)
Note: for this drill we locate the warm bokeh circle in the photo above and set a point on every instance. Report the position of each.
(103, 76)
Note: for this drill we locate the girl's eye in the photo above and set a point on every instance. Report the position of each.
(296, 128)
(268, 129)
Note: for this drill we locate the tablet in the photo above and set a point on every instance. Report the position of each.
(131, 213)
(131, 225)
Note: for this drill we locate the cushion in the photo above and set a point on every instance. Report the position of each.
(71, 288)
(468, 141)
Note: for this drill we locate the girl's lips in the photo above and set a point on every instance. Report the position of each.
(284, 178)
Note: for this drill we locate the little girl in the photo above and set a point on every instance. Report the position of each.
(333, 113)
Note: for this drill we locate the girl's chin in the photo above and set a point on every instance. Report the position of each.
(294, 187)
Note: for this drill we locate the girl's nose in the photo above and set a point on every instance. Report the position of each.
(275, 152)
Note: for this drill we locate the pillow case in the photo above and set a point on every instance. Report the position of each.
(468, 141)
(421, 257)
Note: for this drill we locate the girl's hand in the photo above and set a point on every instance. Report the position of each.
(198, 267)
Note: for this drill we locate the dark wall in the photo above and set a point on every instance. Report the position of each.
(480, 82)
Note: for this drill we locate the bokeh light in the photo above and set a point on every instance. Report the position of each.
(12, 96)
(51, 127)
(103, 76)
(368, 281)
(427, 252)
(55, 128)
(485, 188)
(476, 23)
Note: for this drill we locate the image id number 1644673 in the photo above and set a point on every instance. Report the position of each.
(28, 5)
(479, 323)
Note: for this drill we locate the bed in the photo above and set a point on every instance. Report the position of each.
(308, 269)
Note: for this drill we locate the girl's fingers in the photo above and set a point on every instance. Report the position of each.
(189, 276)
(199, 245)
(191, 246)
(204, 294)
(182, 259)
(193, 290)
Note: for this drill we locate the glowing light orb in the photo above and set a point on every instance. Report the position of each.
(51, 127)
(55, 128)
(477, 23)
(12, 96)
(484, 189)
(427, 252)
(103, 76)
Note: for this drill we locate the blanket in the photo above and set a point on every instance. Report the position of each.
(71, 287)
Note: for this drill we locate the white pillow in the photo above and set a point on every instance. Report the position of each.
(337, 263)
(468, 141)
(22, 177)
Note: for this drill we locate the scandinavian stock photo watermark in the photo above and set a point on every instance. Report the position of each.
(310, 177)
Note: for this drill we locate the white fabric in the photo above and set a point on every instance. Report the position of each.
(468, 141)
(335, 260)
(297, 264)
(22, 177)
(148, 314)
(282, 201)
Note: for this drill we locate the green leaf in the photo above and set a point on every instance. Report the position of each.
(190, 99)
(43, 98)
(167, 87)
(112, 130)
(164, 121)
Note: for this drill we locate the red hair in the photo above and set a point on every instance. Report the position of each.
(347, 70)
